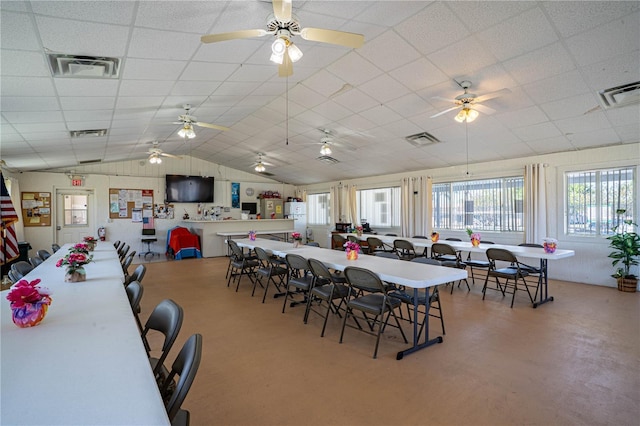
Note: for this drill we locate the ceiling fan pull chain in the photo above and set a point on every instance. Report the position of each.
(287, 111)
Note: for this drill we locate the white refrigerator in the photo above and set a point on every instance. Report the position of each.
(298, 212)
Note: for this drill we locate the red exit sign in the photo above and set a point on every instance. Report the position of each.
(76, 182)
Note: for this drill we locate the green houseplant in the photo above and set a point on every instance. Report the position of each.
(626, 249)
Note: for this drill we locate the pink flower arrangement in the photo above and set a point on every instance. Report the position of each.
(80, 248)
(296, 236)
(75, 261)
(351, 246)
(25, 292)
(89, 239)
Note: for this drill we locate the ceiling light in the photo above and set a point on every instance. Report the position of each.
(325, 150)
(155, 159)
(294, 52)
(279, 47)
(260, 167)
(466, 114)
(187, 132)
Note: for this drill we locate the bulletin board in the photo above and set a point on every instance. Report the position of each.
(130, 203)
(36, 208)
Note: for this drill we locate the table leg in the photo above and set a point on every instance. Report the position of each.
(544, 289)
(416, 346)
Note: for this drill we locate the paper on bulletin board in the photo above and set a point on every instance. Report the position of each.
(136, 215)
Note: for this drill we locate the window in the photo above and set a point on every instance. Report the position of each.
(75, 210)
(593, 198)
(380, 207)
(318, 209)
(482, 205)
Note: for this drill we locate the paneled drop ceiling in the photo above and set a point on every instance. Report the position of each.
(554, 57)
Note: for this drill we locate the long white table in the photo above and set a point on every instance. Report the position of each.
(85, 362)
(518, 251)
(410, 274)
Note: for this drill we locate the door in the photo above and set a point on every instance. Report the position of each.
(75, 215)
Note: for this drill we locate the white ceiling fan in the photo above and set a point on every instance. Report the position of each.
(283, 25)
(156, 154)
(469, 103)
(327, 141)
(188, 121)
(259, 166)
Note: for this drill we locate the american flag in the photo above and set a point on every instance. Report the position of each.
(8, 241)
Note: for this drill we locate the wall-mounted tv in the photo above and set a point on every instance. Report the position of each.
(189, 189)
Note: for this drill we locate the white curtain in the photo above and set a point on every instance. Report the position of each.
(415, 197)
(343, 204)
(535, 210)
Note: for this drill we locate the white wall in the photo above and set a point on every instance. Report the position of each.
(135, 175)
(590, 264)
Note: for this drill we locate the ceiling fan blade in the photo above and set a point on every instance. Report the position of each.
(341, 38)
(286, 68)
(440, 98)
(211, 126)
(595, 108)
(282, 10)
(344, 145)
(492, 95)
(446, 111)
(213, 38)
(164, 154)
(483, 109)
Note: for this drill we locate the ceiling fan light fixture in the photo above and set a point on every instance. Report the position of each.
(187, 132)
(325, 150)
(466, 114)
(155, 159)
(294, 52)
(260, 167)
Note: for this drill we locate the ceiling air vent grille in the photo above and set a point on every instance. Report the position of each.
(85, 133)
(327, 159)
(83, 66)
(620, 96)
(266, 173)
(422, 139)
(89, 161)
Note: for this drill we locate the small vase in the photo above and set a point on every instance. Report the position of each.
(296, 243)
(475, 242)
(75, 276)
(31, 314)
(435, 237)
(352, 255)
(92, 246)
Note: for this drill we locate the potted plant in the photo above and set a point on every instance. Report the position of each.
(626, 249)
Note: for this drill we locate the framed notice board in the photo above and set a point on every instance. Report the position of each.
(124, 202)
(36, 208)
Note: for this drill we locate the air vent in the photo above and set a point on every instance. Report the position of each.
(90, 161)
(620, 96)
(84, 133)
(265, 173)
(327, 159)
(422, 139)
(83, 66)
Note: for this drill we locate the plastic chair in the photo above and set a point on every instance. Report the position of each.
(375, 301)
(55, 247)
(185, 367)
(326, 288)
(134, 293)
(240, 264)
(136, 275)
(43, 254)
(405, 250)
(434, 299)
(272, 271)
(511, 274)
(165, 318)
(127, 262)
(21, 268)
(300, 278)
(35, 261)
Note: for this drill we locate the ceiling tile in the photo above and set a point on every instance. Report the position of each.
(419, 74)
(542, 63)
(85, 87)
(144, 87)
(191, 16)
(205, 71)
(389, 51)
(175, 45)
(24, 86)
(17, 32)
(87, 103)
(558, 87)
(482, 15)
(384, 88)
(23, 63)
(571, 17)
(356, 100)
(537, 131)
(433, 28)
(32, 117)
(120, 12)
(151, 69)
(354, 69)
(12, 103)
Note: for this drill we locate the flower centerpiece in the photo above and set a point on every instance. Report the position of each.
(475, 237)
(75, 261)
(90, 242)
(79, 248)
(252, 235)
(359, 230)
(29, 302)
(352, 249)
(550, 245)
(435, 237)
(297, 239)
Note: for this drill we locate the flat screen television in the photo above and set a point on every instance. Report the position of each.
(189, 189)
(251, 208)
